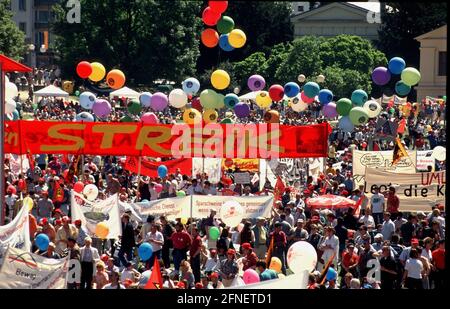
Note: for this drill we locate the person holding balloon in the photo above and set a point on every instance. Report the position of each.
(156, 239)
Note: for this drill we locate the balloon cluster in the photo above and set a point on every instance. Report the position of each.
(230, 38)
(95, 71)
(409, 76)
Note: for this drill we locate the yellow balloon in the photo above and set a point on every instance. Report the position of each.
(184, 220)
(275, 264)
(192, 116)
(210, 116)
(220, 79)
(101, 230)
(237, 38)
(98, 72)
(28, 202)
(263, 99)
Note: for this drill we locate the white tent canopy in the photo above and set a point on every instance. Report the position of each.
(125, 92)
(51, 91)
(249, 96)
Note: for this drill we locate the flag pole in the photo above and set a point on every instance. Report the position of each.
(139, 177)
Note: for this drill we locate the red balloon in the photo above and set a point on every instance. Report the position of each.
(78, 187)
(84, 69)
(305, 98)
(218, 6)
(196, 104)
(276, 93)
(11, 189)
(210, 17)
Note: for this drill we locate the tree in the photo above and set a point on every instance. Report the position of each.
(254, 64)
(278, 54)
(147, 39)
(12, 40)
(406, 20)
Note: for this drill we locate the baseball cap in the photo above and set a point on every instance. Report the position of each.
(379, 235)
(77, 222)
(104, 258)
(214, 275)
(246, 246)
(231, 251)
(44, 221)
(414, 241)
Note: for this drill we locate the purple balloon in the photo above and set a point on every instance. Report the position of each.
(101, 108)
(329, 110)
(381, 76)
(149, 118)
(159, 101)
(256, 82)
(242, 110)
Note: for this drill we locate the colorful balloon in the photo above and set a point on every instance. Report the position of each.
(210, 116)
(358, 116)
(231, 213)
(84, 69)
(298, 105)
(101, 108)
(87, 100)
(224, 43)
(149, 118)
(359, 97)
(231, 100)
(90, 191)
(242, 110)
(84, 117)
(219, 101)
(250, 276)
(325, 96)
(237, 38)
(42, 241)
(98, 72)
(181, 193)
(225, 24)
(396, 65)
(208, 98)
(301, 78)
(78, 187)
(305, 98)
(210, 17)
(191, 85)
(272, 116)
(214, 233)
(331, 274)
(373, 108)
(402, 89)
(115, 79)
(145, 98)
(158, 188)
(195, 103)
(145, 251)
(329, 110)
(263, 99)
(178, 98)
(218, 6)
(10, 106)
(11, 90)
(343, 106)
(134, 107)
(226, 120)
(276, 92)
(162, 171)
(381, 76)
(102, 230)
(220, 79)
(301, 256)
(256, 82)
(126, 118)
(345, 124)
(192, 116)
(311, 89)
(291, 89)
(159, 101)
(410, 76)
(210, 37)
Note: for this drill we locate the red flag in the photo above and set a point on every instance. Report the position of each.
(73, 169)
(150, 168)
(58, 194)
(155, 281)
(279, 189)
(30, 159)
(358, 205)
(269, 251)
(399, 151)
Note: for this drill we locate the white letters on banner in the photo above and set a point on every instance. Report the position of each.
(417, 192)
(25, 270)
(15, 234)
(380, 159)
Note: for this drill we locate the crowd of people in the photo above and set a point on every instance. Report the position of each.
(410, 247)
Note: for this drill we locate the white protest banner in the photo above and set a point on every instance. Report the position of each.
(380, 159)
(92, 213)
(18, 166)
(15, 234)
(211, 166)
(25, 270)
(254, 206)
(417, 192)
(242, 178)
(425, 160)
(124, 207)
(172, 208)
(315, 167)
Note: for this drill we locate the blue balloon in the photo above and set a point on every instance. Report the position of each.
(191, 85)
(402, 89)
(224, 43)
(291, 89)
(145, 98)
(311, 89)
(331, 274)
(145, 251)
(162, 171)
(42, 241)
(359, 97)
(396, 65)
(325, 96)
(345, 124)
(231, 100)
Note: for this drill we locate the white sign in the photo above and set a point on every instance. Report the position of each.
(172, 207)
(425, 160)
(15, 234)
(242, 178)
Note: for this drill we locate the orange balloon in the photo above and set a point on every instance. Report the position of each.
(272, 117)
(210, 37)
(115, 79)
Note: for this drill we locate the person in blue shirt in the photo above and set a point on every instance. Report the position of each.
(348, 182)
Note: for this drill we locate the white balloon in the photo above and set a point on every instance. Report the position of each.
(11, 90)
(178, 98)
(231, 213)
(190, 85)
(91, 192)
(439, 153)
(298, 105)
(301, 256)
(84, 116)
(145, 98)
(301, 78)
(10, 106)
(373, 108)
(87, 100)
(6, 79)
(320, 78)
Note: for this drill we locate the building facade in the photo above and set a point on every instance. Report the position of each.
(433, 64)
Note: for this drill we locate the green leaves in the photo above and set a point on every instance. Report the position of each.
(12, 40)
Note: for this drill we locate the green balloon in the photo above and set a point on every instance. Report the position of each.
(214, 233)
(225, 24)
(77, 93)
(208, 99)
(444, 98)
(410, 76)
(358, 116)
(343, 106)
(402, 89)
(226, 120)
(181, 193)
(34, 105)
(126, 119)
(220, 101)
(134, 107)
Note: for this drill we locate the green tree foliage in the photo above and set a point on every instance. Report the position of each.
(147, 39)
(12, 40)
(405, 21)
(253, 64)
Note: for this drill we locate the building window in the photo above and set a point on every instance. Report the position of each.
(43, 16)
(300, 8)
(22, 5)
(23, 27)
(442, 64)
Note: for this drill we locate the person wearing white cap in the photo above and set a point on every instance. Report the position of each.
(378, 242)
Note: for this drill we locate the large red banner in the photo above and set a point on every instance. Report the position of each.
(249, 141)
(150, 168)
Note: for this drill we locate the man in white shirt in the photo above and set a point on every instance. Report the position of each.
(367, 219)
(330, 246)
(388, 227)
(377, 201)
(289, 216)
(89, 256)
(156, 239)
(212, 263)
(399, 221)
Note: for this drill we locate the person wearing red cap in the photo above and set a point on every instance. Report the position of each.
(47, 228)
(63, 233)
(181, 243)
(406, 252)
(212, 262)
(250, 257)
(215, 282)
(228, 268)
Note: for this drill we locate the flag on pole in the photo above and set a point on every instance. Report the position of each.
(399, 152)
(323, 275)
(269, 251)
(155, 281)
(73, 169)
(58, 194)
(358, 205)
(279, 189)
(30, 160)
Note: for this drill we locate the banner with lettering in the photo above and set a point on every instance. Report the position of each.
(249, 141)
(380, 159)
(15, 234)
(243, 165)
(25, 270)
(150, 168)
(425, 161)
(172, 208)
(417, 192)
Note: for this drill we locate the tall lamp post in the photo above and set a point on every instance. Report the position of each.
(6, 65)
